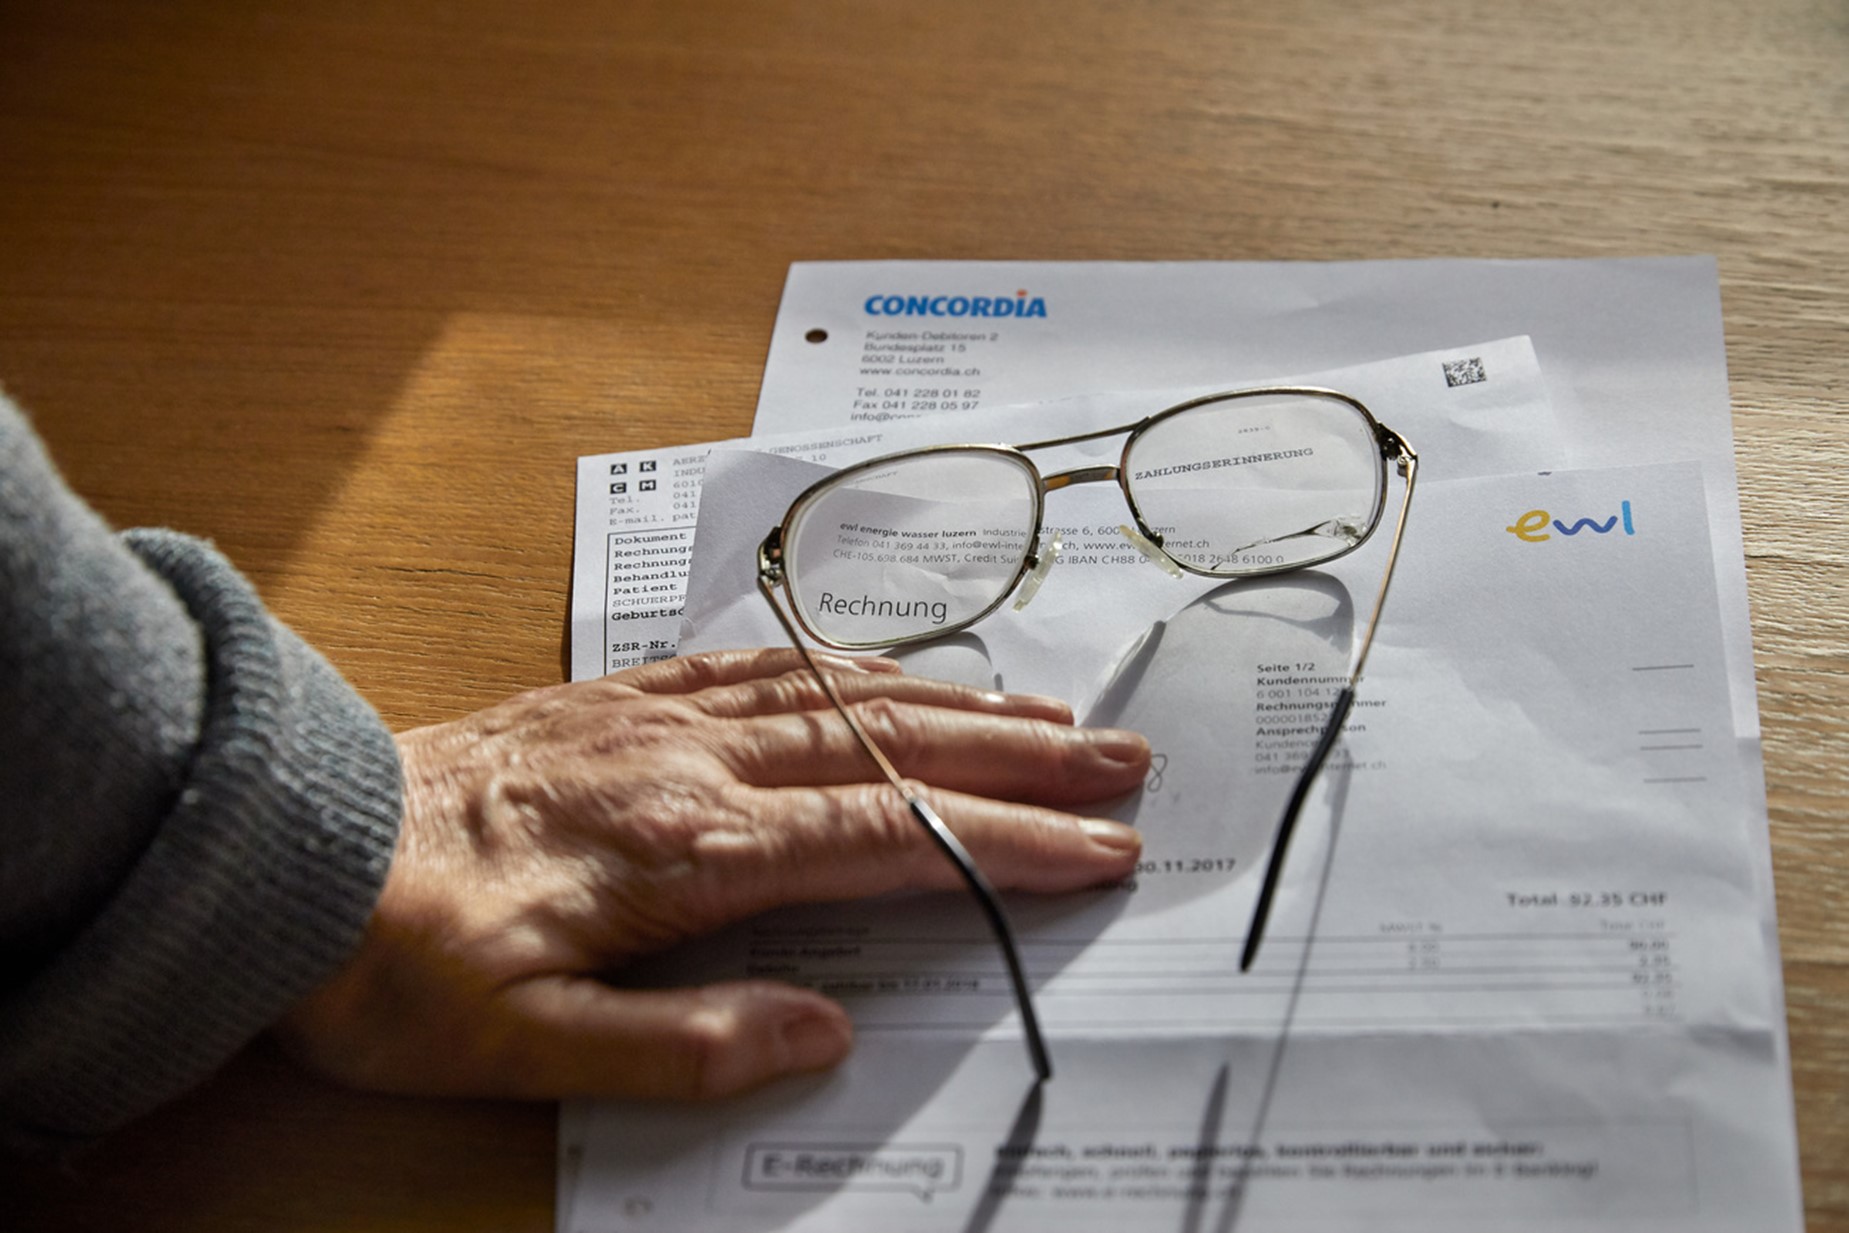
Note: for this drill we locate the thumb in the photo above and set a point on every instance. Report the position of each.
(587, 1038)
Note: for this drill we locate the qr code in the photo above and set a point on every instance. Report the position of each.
(1465, 372)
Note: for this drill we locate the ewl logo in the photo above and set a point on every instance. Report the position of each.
(1533, 526)
(1019, 305)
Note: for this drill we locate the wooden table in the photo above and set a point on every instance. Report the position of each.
(347, 286)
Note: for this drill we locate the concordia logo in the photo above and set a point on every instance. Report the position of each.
(1019, 305)
(1531, 527)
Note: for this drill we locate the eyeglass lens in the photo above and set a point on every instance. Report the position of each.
(1257, 484)
(915, 545)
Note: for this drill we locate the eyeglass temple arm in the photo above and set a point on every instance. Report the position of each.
(934, 826)
(1408, 464)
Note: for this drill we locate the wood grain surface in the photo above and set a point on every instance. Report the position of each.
(346, 287)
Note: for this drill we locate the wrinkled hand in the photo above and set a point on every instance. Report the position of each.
(563, 832)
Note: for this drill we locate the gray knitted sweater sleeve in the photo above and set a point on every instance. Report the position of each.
(196, 811)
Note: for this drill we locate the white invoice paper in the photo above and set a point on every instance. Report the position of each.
(1632, 351)
(1515, 974)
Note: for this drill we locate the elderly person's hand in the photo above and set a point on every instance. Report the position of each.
(566, 831)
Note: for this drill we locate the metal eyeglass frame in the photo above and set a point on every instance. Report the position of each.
(771, 574)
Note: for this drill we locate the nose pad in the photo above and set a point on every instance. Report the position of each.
(1030, 585)
(1141, 543)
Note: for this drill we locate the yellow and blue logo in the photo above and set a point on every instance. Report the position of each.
(1534, 526)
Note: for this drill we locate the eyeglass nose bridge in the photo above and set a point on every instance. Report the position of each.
(1145, 541)
(1078, 475)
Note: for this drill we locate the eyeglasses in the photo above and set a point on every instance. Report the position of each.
(911, 546)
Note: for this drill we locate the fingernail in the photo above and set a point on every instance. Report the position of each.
(1119, 745)
(812, 1042)
(1112, 835)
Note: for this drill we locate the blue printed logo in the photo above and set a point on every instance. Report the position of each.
(1532, 527)
(1018, 305)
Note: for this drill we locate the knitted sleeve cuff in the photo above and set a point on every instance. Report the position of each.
(256, 887)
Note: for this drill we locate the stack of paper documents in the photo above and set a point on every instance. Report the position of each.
(1522, 969)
